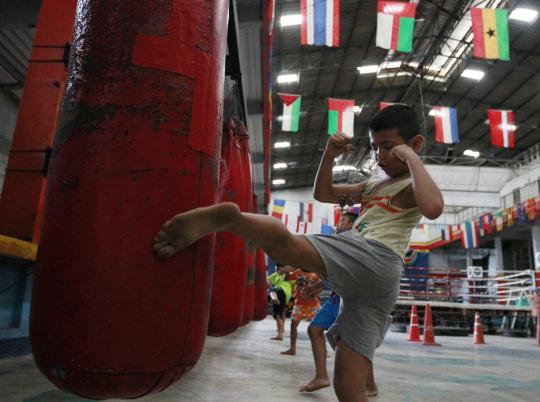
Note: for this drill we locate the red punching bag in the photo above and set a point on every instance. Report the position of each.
(137, 142)
(249, 291)
(21, 202)
(230, 269)
(261, 304)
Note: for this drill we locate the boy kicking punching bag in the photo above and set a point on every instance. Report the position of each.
(137, 142)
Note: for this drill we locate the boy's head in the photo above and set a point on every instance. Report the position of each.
(346, 222)
(394, 125)
(283, 269)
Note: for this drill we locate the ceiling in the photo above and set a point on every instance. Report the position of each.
(332, 72)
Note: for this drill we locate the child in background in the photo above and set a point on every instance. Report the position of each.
(305, 306)
(280, 290)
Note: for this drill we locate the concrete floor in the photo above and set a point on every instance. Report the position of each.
(247, 366)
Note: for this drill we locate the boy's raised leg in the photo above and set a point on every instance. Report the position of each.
(265, 231)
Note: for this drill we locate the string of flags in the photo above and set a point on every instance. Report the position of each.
(395, 27)
(470, 231)
(395, 31)
(341, 119)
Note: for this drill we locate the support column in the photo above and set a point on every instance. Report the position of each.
(535, 238)
(499, 254)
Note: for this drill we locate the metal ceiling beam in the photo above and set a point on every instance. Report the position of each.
(19, 14)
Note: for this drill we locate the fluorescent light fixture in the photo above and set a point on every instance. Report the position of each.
(470, 152)
(343, 168)
(277, 182)
(283, 144)
(280, 165)
(473, 74)
(357, 109)
(523, 14)
(288, 78)
(368, 69)
(290, 20)
(392, 64)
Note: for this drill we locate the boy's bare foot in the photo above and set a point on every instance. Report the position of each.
(186, 228)
(315, 384)
(277, 338)
(290, 352)
(372, 391)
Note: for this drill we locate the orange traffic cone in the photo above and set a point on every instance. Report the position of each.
(478, 330)
(429, 334)
(414, 330)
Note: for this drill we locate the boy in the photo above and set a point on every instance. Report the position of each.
(305, 306)
(323, 321)
(363, 265)
(280, 290)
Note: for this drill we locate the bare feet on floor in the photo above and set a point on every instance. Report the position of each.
(277, 338)
(315, 384)
(186, 228)
(290, 352)
(372, 391)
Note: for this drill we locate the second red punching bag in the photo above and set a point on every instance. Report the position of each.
(230, 266)
(137, 142)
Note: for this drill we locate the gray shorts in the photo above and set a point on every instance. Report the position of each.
(366, 274)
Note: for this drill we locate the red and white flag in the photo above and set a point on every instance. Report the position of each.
(502, 127)
(301, 226)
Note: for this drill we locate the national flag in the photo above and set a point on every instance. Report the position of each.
(325, 227)
(531, 209)
(306, 212)
(446, 233)
(277, 208)
(320, 22)
(337, 215)
(481, 229)
(498, 220)
(487, 223)
(509, 217)
(470, 235)
(446, 128)
(395, 25)
(301, 226)
(341, 116)
(521, 217)
(490, 33)
(501, 123)
(291, 112)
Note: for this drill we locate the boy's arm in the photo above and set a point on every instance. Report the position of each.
(324, 190)
(427, 195)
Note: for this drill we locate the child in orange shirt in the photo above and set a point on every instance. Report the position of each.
(305, 307)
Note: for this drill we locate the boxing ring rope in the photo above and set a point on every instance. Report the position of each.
(452, 288)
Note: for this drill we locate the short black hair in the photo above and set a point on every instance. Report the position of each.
(401, 117)
(351, 216)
